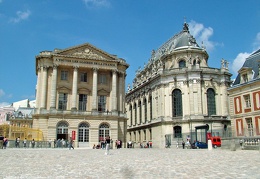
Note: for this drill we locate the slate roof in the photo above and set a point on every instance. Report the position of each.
(251, 62)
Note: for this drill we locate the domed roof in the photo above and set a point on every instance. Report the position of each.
(178, 41)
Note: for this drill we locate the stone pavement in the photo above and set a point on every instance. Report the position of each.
(128, 163)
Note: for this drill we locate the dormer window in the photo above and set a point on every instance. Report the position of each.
(245, 78)
(182, 64)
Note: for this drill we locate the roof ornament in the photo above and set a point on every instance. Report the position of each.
(185, 26)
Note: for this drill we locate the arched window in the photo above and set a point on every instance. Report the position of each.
(62, 130)
(177, 132)
(182, 64)
(131, 115)
(145, 110)
(135, 113)
(103, 131)
(211, 102)
(83, 134)
(151, 107)
(140, 112)
(176, 103)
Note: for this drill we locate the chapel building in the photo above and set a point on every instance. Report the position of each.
(80, 94)
(176, 93)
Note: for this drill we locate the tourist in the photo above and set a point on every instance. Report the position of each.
(71, 143)
(5, 141)
(107, 145)
(33, 143)
(24, 143)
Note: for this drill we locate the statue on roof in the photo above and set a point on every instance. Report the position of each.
(186, 27)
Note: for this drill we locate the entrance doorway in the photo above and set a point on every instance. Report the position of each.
(83, 135)
(62, 130)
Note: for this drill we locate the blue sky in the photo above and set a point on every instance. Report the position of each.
(131, 29)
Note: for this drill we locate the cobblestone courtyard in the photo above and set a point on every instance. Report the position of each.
(128, 163)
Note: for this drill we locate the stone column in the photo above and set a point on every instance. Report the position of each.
(38, 87)
(74, 88)
(44, 87)
(53, 87)
(114, 91)
(94, 90)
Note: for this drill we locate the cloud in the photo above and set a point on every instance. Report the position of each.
(202, 34)
(2, 93)
(256, 44)
(96, 3)
(4, 104)
(21, 16)
(239, 61)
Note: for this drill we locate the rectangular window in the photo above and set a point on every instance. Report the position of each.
(245, 78)
(102, 103)
(83, 77)
(250, 127)
(102, 79)
(247, 101)
(64, 75)
(82, 102)
(63, 98)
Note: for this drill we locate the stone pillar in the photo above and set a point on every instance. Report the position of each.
(74, 88)
(53, 87)
(94, 90)
(121, 92)
(44, 87)
(114, 91)
(38, 87)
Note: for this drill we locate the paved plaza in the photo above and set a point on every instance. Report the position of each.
(129, 163)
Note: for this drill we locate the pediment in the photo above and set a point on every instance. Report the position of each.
(86, 51)
(103, 92)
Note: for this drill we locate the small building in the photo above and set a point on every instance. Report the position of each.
(244, 99)
(80, 94)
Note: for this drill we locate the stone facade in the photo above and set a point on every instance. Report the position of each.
(177, 91)
(80, 94)
(244, 99)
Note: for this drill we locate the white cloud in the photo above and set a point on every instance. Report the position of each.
(256, 44)
(239, 61)
(21, 16)
(96, 3)
(4, 104)
(202, 34)
(2, 93)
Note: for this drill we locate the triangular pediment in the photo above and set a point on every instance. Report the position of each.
(85, 51)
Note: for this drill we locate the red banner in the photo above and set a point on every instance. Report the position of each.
(73, 135)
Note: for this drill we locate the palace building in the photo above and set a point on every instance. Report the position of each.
(176, 93)
(244, 98)
(80, 94)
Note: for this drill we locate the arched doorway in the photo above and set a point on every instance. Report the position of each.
(103, 131)
(83, 135)
(62, 130)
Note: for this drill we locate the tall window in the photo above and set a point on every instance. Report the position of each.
(103, 131)
(83, 132)
(64, 75)
(247, 101)
(177, 132)
(62, 130)
(101, 103)
(151, 107)
(145, 110)
(131, 115)
(63, 98)
(182, 64)
(176, 103)
(83, 77)
(135, 113)
(140, 112)
(250, 126)
(211, 102)
(102, 79)
(82, 102)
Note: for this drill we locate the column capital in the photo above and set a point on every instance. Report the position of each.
(95, 69)
(75, 67)
(55, 66)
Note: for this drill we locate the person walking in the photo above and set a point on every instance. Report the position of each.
(183, 144)
(71, 144)
(107, 145)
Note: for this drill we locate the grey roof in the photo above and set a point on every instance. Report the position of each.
(182, 39)
(251, 62)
